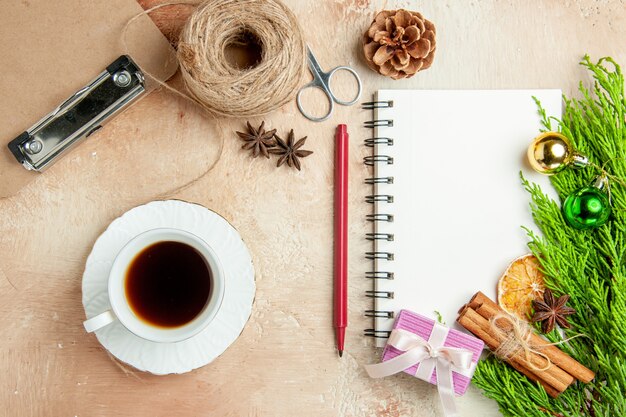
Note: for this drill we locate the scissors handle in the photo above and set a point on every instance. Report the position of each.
(358, 82)
(331, 105)
(321, 80)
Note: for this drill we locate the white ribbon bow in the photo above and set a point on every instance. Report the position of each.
(428, 355)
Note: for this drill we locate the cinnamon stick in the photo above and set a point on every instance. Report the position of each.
(488, 309)
(538, 360)
(553, 375)
(468, 323)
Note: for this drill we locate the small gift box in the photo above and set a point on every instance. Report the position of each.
(432, 352)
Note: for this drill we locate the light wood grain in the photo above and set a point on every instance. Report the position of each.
(284, 363)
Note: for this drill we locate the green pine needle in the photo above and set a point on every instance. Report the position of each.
(590, 266)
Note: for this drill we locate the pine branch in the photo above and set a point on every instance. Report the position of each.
(588, 265)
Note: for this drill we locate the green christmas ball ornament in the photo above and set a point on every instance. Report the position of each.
(589, 207)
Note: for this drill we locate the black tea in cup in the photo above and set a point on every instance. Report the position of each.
(168, 284)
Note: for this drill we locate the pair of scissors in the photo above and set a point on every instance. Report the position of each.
(321, 80)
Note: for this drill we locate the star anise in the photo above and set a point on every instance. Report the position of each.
(552, 311)
(289, 151)
(258, 140)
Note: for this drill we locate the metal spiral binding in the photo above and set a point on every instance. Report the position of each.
(381, 198)
(379, 275)
(379, 123)
(387, 256)
(376, 158)
(379, 217)
(379, 313)
(379, 294)
(379, 180)
(371, 142)
(383, 334)
(380, 236)
(370, 105)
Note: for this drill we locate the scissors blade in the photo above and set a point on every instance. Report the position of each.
(314, 66)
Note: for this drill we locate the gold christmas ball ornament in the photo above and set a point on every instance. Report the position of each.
(551, 152)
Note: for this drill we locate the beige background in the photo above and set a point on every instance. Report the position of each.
(284, 363)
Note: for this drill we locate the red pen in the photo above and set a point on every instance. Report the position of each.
(341, 235)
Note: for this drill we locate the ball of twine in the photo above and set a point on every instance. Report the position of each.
(217, 84)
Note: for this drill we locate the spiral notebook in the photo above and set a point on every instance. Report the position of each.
(448, 205)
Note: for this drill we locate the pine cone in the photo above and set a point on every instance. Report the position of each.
(399, 43)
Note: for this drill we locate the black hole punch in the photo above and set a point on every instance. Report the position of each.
(379, 275)
(369, 105)
(378, 141)
(387, 256)
(378, 123)
(379, 294)
(380, 236)
(379, 198)
(379, 217)
(379, 313)
(381, 334)
(376, 159)
(379, 180)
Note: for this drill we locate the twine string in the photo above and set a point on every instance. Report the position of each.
(604, 172)
(126, 48)
(221, 87)
(216, 84)
(517, 341)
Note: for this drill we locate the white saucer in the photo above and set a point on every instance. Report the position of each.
(180, 357)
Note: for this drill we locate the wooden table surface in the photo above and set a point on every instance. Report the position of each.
(284, 363)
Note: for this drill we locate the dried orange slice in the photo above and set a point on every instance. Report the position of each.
(521, 283)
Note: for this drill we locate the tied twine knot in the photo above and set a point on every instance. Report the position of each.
(515, 335)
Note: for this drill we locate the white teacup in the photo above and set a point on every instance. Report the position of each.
(120, 306)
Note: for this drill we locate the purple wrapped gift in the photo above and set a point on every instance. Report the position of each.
(423, 327)
(430, 351)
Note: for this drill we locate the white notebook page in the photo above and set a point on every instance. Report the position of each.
(458, 200)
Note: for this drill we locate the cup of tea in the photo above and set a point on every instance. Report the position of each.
(165, 285)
